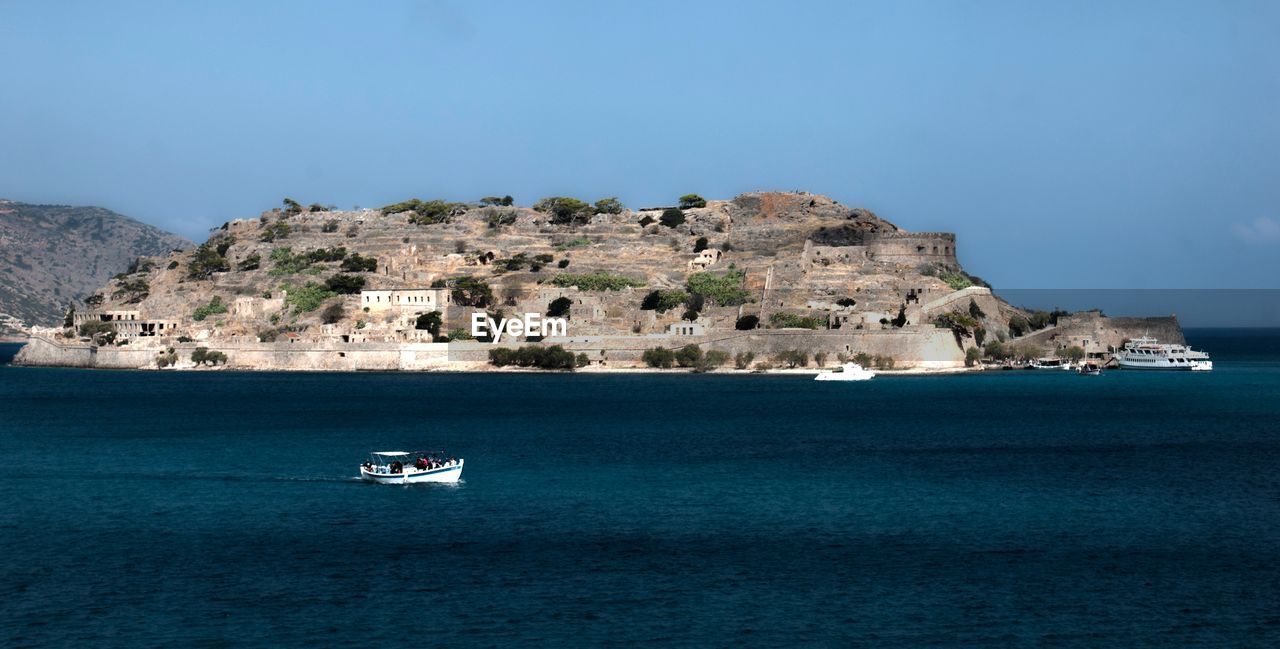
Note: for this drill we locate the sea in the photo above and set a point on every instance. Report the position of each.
(1001, 509)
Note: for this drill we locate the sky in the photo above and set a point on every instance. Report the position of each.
(1114, 144)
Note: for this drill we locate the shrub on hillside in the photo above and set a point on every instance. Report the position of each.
(659, 357)
(205, 262)
(307, 297)
(792, 358)
(601, 281)
(559, 307)
(689, 356)
(723, 289)
(608, 206)
(345, 284)
(671, 217)
(787, 320)
(554, 357)
(356, 263)
(690, 201)
(564, 210)
(214, 307)
(664, 300)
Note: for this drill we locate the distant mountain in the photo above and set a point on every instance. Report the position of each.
(51, 255)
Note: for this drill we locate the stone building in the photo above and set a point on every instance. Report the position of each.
(403, 299)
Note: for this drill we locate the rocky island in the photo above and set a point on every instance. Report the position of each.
(767, 279)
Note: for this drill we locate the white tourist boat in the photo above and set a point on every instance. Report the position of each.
(846, 372)
(1149, 354)
(403, 467)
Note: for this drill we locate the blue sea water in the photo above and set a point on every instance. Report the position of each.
(999, 509)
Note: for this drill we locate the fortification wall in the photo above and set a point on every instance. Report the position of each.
(42, 352)
(912, 247)
(1098, 334)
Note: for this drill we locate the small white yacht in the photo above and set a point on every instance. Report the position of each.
(403, 467)
(1149, 354)
(846, 372)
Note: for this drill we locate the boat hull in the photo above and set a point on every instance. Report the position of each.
(1156, 367)
(413, 476)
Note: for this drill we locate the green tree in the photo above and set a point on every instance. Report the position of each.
(820, 359)
(690, 201)
(972, 356)
(659, 357)
(900, 320)
(792, 358)
(609, 206)
(471, 291)
(252, 262)
(430, 322)
(994, 349)
(559, 307)
(205, 262)
(1018, 325)
(69, 320)
(671, 217)
(1074, 353)
(275, 230)
(664, 300)
(976, 311)
(291, 207)
(711, 360)
(345, 284)
(742, 360)
(565, 210)
(356, 263)
(689, 356)
(307, 297)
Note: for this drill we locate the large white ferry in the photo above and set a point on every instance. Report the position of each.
(402, 467)
(1149, 354)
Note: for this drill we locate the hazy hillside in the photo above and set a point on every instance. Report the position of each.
(53, 254)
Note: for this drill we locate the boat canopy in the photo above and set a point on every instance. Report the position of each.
(391, 453)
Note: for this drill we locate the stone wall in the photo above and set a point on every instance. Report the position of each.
(913, 247)
(1098, 334)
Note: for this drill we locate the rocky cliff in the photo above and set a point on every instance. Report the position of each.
(52, 255)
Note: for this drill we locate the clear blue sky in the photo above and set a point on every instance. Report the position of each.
(1069, 144)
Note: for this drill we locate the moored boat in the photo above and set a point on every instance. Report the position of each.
(1090, 369)
(1050, 364)
(404, 467)
(846, 372)
(1149, 354)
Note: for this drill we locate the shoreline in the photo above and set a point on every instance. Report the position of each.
(489, 369)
